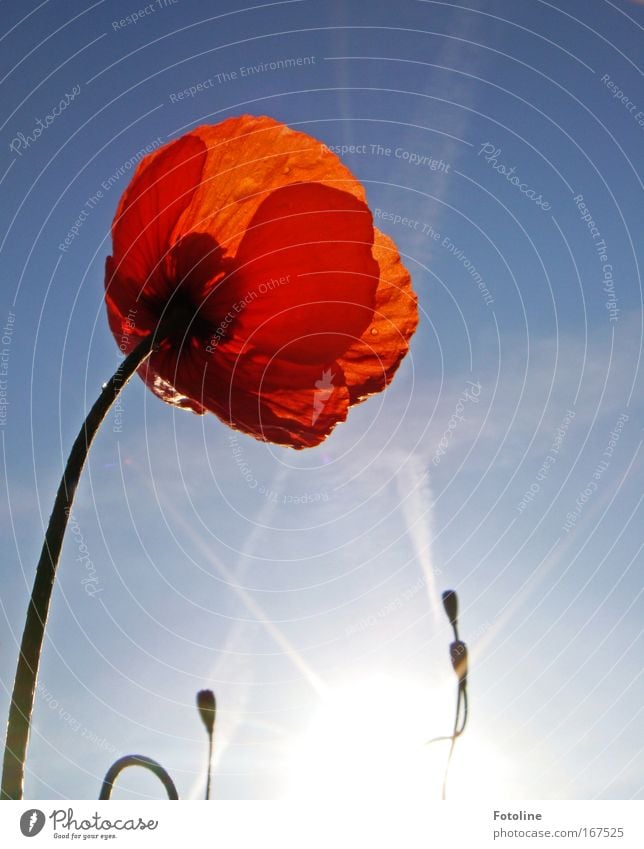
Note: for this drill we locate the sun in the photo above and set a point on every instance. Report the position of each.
(366, 743)
(479, 771)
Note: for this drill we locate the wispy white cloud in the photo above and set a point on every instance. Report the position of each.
(414, 492)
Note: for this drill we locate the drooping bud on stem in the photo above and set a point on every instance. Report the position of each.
(450, 603)
(458, 653)
(207, 709)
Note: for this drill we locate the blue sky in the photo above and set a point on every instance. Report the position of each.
(505, 459)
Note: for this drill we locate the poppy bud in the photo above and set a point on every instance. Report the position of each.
(458, 653)
(450, 603)
(207, 709)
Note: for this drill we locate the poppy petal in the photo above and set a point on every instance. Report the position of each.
(251, 247)
(371, 362)
(299, 417)
(306, 280)
(130, 320)
(142, 233)
(162, 373)
(265, 397)
(248, 158)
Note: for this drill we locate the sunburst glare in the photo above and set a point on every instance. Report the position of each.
(366, 743)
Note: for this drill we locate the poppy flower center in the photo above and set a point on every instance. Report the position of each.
(181, 319)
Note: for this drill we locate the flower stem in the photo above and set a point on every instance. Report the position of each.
(209, 767)
(22, 699)
(207, 707)
(137, 760)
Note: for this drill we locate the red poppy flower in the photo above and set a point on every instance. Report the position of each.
(249, 249)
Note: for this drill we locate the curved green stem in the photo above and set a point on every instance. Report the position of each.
(461, 702)
(137, 760)
(22, 699)
(209, 767)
